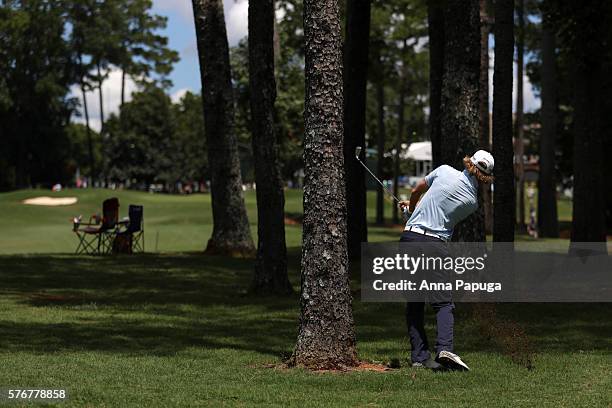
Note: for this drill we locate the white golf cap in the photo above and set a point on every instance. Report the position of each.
(483, 160)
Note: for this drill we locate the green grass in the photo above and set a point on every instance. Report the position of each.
(173, 223)
(171, 330)
(176, 328)
(564, 208)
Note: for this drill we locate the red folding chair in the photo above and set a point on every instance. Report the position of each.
(96, 238)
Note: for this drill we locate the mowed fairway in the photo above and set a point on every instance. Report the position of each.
(176, 328)
(173, 223)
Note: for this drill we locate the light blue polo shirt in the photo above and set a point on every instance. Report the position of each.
(451, 197)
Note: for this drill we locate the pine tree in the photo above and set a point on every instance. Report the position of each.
(356, 47)
(231, 231)
(435, 19)
(271, 262)
(504, 207)
(548, 223)
(460, 103)
(326, 336)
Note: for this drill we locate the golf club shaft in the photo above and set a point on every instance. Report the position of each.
(376, 178)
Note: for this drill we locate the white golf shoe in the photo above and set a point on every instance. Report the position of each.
(452, 361)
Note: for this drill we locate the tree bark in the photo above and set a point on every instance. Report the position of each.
(520, 149)
(607, 125)
(460, 101)
(485, 134)
(271, 262)
(380, 147)
(435, 19)
(504, 202)
(588, 215)
(398, 147)
(326, 336)
(231, 232)
(92, 163)
(100, 82)
(356, 48)
(548, 223)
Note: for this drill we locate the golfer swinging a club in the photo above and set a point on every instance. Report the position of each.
(452, 195)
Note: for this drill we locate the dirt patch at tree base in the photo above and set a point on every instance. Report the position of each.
(361, 366)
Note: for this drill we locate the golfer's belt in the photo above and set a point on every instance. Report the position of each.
(423, 232)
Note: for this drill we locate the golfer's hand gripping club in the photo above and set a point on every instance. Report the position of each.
(404, 207)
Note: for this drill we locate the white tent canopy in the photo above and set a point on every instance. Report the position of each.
(418, 151)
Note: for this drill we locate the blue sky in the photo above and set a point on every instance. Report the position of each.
(186, 75)
(181, 33)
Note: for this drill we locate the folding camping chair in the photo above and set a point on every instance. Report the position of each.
(131, 239)
(95, 237)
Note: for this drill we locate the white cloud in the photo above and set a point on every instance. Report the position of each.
(236, 20)
(111, 94)
(178, 95)
(183, 7)
(531, 102)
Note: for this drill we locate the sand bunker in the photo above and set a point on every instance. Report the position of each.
(51, 201)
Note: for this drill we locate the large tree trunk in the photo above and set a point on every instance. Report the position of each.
(326, 336)
(519, 131)
(460, 108)
(607, 126)
(588, 215)
(435, 19)
(398, 147)
(548, 223)
(271, 262)
(504, 203)
(231, 232)
(380, 147)
(485, 134)
(356, 48)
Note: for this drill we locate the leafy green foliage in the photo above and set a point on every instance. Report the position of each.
(155, 141)
(289, 99)
(564, 20)
(138, 145)
(143, 52)
(49, 46)
(399, 61)
(78, 149)
(190, 160)
(35, 74)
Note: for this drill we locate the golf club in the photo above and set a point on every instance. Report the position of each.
(357, 152)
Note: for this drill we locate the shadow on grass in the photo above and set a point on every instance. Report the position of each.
(162, 304)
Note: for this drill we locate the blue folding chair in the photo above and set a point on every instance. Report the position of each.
(133, 233)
